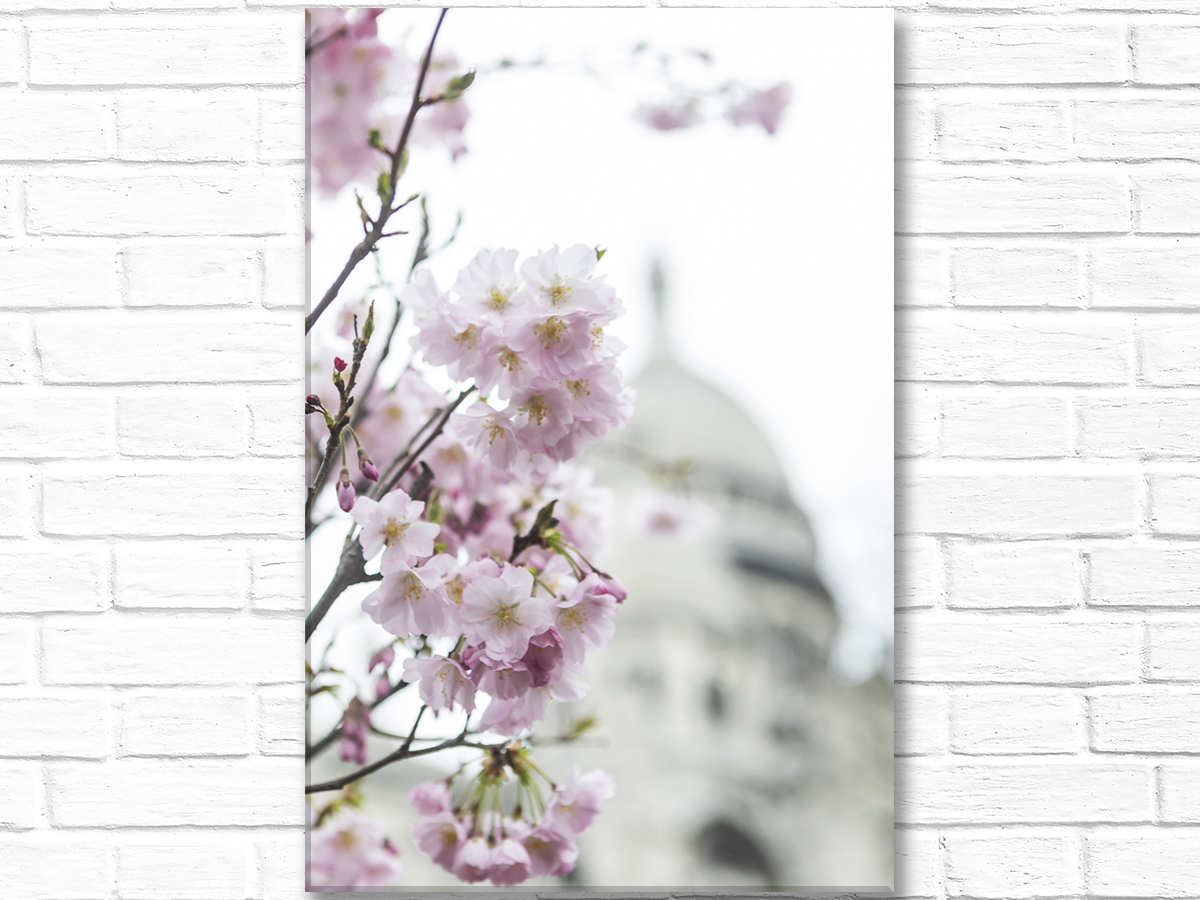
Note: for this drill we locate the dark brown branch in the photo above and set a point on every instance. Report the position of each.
(359, 253)
(351, 570)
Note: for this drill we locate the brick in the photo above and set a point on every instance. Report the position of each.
(201, 867)
(226, 50)
(1145, 575)
(918, 572)
(921, 720)
(161, 650)
(1017, 503)
(922, 273)
(16, 361)
(1024, 275)
(181, 574)
(282, 862)
(998, 347)
(1005, 425)
(1181, 791)
(48, 866)
(57, 725)
(44, 577)
(184, 723)
(59, 275)
(43, 431)
(1015, 650)
(1139, 425)
(245, 500)
(1047, 791)
(182, 422)
(284, 276)
(917, 420)
(1172, 651)
(80, 126)
(280, 713)
(1140, 275)
(981, 130)
(154, 346)
(914, 127)
(1142, 862)
(186, 126)
(169, 792)
(1015, 722)
(958, 199)
(11, 56)
(278, 581)
(16, 649)
(1160, 128)
(1004, 865)
(1171, 350)
(1157, 720)
(1166, 197)
(1013, 575)
(219, 201)
(277, 422)
(16, 504)
(1166, 53)
(1047, 51)
(186, 273)
(22, 790)
(281, 127)
(1174, 503)
(8, 205)
(916, 863)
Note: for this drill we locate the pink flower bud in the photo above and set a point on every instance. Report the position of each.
(339, 364)
(384, 657)
(366, 466)
(345, 491)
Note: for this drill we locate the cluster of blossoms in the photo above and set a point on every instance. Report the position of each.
(351, 75)
(535, 337)
(476, 841)
(760, 107)
(351, 850)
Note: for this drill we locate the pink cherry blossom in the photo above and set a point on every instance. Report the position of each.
(441, 836)
(550, 853)
(473, 861)
(583, 619)
(543, 415)
(487, 289)
(350, 850)
(430, 798)
(576, 803)
(393, 525)
(355, 723)
(544, 658)
(503, 613)
(443, 682)
(510, 863)
(510, 717)
(407, 602)
(763, 108)
(561, 280)
(487, 431)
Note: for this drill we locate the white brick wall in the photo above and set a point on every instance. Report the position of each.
(1048, 475)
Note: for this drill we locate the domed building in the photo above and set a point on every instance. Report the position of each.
(739, 759)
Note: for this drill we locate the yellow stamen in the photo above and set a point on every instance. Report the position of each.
(498, 299)
(557, 291)
(551, 331)
(536, 408)
(510, 360)
(393, 532)
(506, 615)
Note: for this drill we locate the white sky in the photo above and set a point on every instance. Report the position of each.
(778, 251)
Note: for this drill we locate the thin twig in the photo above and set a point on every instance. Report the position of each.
(359, 253)
(324, 743)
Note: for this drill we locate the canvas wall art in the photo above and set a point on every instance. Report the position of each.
(599, 454)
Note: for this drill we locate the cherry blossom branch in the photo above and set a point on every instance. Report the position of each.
(389, 193)
(334, 733)
(405, 751)
(408, 464)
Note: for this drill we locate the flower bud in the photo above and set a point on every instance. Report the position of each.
(312, 404)
(339, 364)
(366, 466)
(345, 491)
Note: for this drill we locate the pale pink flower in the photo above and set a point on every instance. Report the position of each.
(487, 288)
(495, 678)
(762, 107)
(583, 619)
(510, 863)
(504, 368)
(407, 602)
(550, 853)
(576, 803)
(503, 613)
(543, 415)
(350, 850)
(430, 798)
(488, 432)
(473, 861)
(556, 345)
(561, 280)
(393, 525)
(441, 836)
(544, 658)
(443, 682)
(355, 723)
(510, 717)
